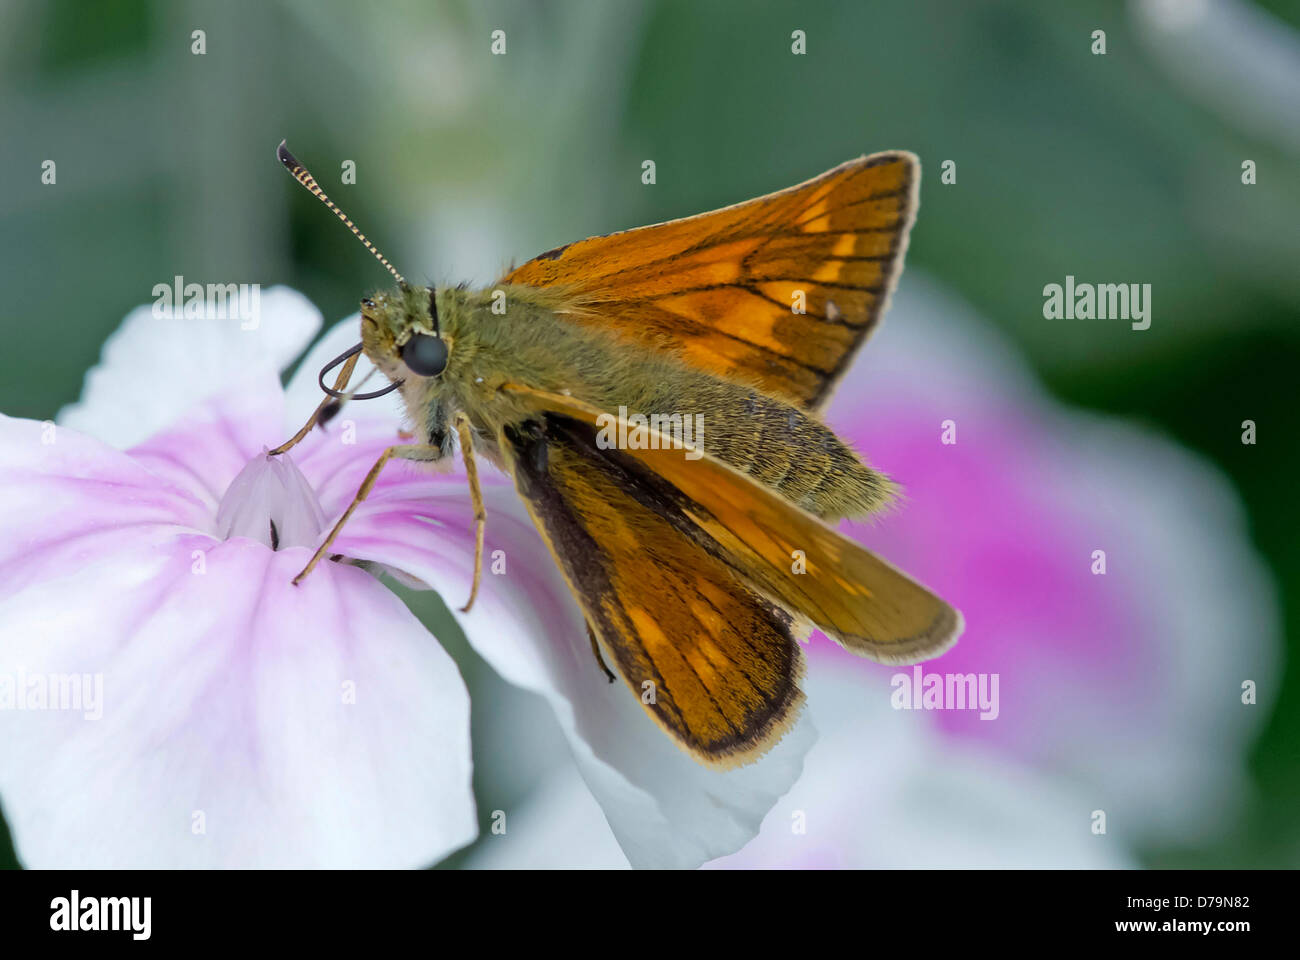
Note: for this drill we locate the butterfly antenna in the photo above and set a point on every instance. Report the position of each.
(303, 176)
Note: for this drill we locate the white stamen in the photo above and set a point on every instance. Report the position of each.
(271, 493)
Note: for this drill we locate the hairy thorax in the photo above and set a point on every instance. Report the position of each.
(542, 340)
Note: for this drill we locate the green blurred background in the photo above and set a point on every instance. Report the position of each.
(1118, 167)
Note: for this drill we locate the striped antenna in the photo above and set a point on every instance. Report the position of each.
(303, 176)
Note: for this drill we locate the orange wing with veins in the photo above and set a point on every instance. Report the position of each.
(723, 290)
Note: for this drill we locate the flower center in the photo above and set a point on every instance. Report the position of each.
(271, 501)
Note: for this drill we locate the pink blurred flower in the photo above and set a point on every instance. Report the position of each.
(1128, 683)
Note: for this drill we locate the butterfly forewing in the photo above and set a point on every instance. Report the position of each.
(779, 291)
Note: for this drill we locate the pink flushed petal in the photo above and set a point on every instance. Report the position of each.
(209, 445)
(60, 491)
(244, 721)
(666, 809)
(207, 449)
(227, 693)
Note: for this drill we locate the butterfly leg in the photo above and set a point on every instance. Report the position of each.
(595, 648)
(406, 451)
(326, 409)
(476, 497)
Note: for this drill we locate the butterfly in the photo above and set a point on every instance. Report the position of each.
(655, 394)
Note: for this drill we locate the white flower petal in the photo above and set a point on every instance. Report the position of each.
(154, 369)
(558, 826)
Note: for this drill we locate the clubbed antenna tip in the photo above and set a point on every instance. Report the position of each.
(303, 176)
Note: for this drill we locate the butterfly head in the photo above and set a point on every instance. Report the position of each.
(399, 329)
(401, 335)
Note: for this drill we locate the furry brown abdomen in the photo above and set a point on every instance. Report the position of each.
(777, 444)
(806, 462)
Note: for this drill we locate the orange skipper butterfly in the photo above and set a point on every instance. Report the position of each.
(655, 394)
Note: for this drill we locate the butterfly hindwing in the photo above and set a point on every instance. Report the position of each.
(787, 554)
(712, 661)
(779, 291)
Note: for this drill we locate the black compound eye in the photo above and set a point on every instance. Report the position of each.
(425, 355)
